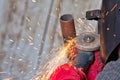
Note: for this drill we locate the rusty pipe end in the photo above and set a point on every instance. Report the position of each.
(67, 27)
(66, 18)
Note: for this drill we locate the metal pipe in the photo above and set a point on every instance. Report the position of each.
(67, 27)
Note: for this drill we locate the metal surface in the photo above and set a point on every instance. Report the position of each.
(88, 41)
(68, 27)
(109, 28)
(88, 38)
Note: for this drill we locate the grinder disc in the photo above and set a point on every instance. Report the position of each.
(88, 41)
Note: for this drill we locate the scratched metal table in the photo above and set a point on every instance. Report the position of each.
(30, 32)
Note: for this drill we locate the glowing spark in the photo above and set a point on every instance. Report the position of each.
(22, 39)
(4, 73)
(108, 29)
(107, 13)
(20, 59)
(11, 40)
(57, 9)
(30, 39)
(33, 0)
(113, 8)
(38, 23)
(30, 28)
(28, 19)
(114, 35)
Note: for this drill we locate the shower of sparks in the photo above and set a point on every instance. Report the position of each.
(26, 41)
(51, 65)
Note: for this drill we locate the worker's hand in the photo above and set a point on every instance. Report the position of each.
(83, 59)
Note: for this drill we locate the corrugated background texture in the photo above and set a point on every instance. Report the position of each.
(30, 32)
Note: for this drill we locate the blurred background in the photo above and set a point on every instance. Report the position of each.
(30, 33)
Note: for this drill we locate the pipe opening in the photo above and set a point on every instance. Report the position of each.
(66, 17)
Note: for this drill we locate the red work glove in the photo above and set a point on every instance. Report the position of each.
(84, 60)
(68, 72)
(95, 68)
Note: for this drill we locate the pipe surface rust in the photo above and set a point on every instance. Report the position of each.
(67, 27)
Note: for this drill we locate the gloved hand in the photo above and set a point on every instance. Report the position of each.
(68, 72)
(96, 67)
